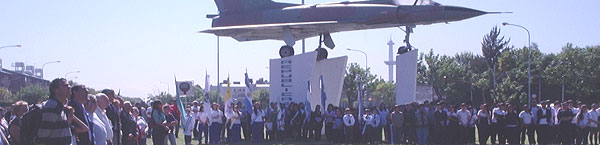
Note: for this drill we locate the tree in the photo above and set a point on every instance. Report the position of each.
(353, 75)
(386, 92)
(492, 47)
(261, 96)
(162, 96)
(6, 97)
(32, 93)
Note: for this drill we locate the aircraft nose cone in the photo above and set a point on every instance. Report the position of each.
(460, 13)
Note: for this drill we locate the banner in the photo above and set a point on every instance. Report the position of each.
(185, 88)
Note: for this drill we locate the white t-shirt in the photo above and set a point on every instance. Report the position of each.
(593, 116)
(575, 112)
(202, 117)
(527, 117)
(463, 116)
(234, 117)
(216, 116)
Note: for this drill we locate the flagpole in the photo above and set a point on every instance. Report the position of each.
(218, 69)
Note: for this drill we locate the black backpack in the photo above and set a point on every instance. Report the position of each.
(30, 126)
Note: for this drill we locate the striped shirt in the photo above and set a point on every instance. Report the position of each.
(53, 128)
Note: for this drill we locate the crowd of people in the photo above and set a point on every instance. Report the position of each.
(73, 116)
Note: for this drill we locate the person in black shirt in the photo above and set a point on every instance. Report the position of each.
(316, 123)
(512, 124)
(439, 116)
(565, 115)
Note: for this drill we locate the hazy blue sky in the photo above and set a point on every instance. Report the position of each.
(134, 45)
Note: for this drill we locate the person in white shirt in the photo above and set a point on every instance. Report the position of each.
(464, 117)
(594, 124)
(188, 126)
(102, 138)
(349, 122)
(203, 124)
(216, 123)
(195, 109)
(498, 124)
(583, 122)
(258, 117)
(544, 121)
(234, 117)
(141, 122)
(527, 125)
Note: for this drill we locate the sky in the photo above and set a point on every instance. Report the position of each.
(135, 45)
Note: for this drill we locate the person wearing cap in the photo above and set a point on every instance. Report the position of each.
(349, 122)
(544, 120)
(368, 129)
(439, 123)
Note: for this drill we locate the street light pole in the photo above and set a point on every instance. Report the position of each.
(366, 69)
(168, 87)
(528, 61)
(71, 73)
(10, 46)
(42, 75)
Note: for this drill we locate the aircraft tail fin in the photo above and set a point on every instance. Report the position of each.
(226, 6)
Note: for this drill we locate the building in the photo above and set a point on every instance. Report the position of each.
(15, 80)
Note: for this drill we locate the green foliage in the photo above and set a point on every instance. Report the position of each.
(353, 75)
(32, 93)
(6, 97)
(162, 96)
(262, 96)
(386, 92)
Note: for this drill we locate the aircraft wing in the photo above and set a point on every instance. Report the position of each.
(299, 30)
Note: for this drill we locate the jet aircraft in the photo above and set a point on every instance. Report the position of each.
(249, 20)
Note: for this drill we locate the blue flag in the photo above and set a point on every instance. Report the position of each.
(179, 103)
(248, 100)
(323, 94)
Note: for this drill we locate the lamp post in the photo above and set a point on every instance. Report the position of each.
(18, 45)
(71, 73)
(168, 87)
(366, 69)
(528, 60)
(42, 75)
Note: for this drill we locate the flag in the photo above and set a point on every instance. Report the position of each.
(248, 92)
(360, 103)
(323, 94)
(307, 105)
(180, 105)
(228, 99)
(207, 92)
